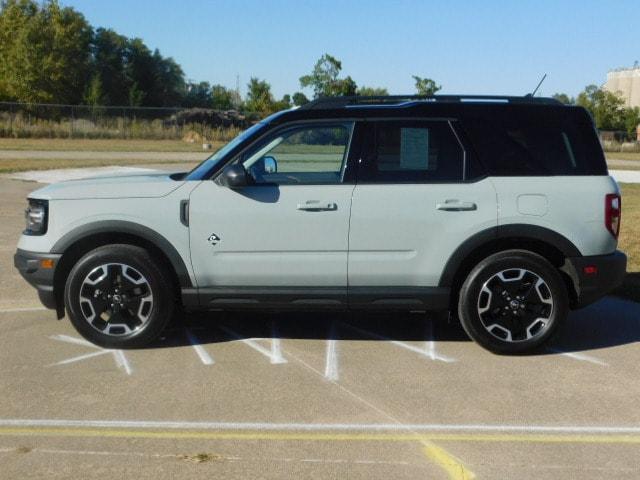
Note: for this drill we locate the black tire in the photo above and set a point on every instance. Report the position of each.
(145, 298)
(526, 316)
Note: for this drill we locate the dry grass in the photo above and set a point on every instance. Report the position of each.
(623, 155)
(22, 165)
(102, 145)
(630, 241)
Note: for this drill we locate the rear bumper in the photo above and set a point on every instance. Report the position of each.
(29, 264)
(610, 272)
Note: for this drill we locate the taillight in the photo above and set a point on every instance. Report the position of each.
(612, 213)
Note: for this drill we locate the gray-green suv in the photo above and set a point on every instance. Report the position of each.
(498, 209)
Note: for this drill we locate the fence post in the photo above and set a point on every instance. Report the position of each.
(71, 124)
(11, 119)
(124, 124)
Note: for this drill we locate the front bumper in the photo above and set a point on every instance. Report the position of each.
(30, 265)
(589, 287)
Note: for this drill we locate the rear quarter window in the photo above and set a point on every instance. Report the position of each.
(560, 141)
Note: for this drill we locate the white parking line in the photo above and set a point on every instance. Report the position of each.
(118, 355)
(331, 361)
(580, 356)
(355, 427)
(427, 353)
(22, 309)
(200, 351)
(273, 354)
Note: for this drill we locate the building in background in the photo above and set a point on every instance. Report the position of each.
(625, 81)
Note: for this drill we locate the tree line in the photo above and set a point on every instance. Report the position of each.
(607, 109)
(51, 54)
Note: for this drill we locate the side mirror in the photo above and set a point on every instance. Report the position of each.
(234, 176)
(269, 164)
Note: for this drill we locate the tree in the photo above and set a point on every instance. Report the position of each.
(109, 51)
(198, 95)
(632, 122)
(564, 98)
(44, 52)
(372, 91)
(299, 99)
(324, 79)
(607, 108)
(222, 98)
(259, 97)
(426, 86)
(94, 95)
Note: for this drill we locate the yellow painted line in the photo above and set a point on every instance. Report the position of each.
(313, 436)
(449, 463)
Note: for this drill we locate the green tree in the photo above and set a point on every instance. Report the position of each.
(222, 98)
(324, 79)
(299, 99)
(632, 122)
(109, 50)
(426, 86)
(259, 97)
(372, 91)
(44, 52)
(94, 95)
(606, 108)
(136, 96)
(198, 95)
(564, 98)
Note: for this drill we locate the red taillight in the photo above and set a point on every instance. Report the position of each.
(612, 213)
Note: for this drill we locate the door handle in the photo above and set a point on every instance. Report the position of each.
(454, 205)
(317, 206)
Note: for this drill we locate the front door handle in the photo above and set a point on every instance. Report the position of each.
(454, 205)
(317, 206)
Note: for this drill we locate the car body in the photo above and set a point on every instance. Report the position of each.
(359, 203)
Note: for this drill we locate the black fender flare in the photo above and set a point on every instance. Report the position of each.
(130, 228)
(510, 231)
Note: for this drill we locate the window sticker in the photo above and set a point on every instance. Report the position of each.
(414, 148)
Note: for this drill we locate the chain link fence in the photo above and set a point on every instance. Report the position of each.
(22, 120)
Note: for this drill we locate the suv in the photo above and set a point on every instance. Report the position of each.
(498, 209)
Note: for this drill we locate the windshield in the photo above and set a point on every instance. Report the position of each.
(204, 167)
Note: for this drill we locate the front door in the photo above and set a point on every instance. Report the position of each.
(290, 228)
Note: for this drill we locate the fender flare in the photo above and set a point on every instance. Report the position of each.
(130, 228)
(514, 231)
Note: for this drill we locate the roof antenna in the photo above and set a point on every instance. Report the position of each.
(533, 94)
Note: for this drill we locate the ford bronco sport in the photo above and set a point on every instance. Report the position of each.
(497, 209)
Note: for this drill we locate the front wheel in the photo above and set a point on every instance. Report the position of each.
(118, 297)
(513, 302)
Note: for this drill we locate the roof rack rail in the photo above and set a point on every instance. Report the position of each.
(406, 100)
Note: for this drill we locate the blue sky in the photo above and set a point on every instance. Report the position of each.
(483, 47)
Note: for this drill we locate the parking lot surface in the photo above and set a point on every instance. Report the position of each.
(308, 395)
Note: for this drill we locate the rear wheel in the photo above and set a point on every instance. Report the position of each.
(513, 302)
(118, 297)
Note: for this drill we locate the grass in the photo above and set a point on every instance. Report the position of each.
(629, 241)
(623, 155)
(23, 165)
(102, 145)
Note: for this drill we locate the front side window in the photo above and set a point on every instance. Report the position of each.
(412, 152)
(314, 154)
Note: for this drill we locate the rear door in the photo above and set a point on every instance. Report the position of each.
(413, 205)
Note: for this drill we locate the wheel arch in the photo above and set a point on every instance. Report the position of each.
(85, 238)
(549, 244)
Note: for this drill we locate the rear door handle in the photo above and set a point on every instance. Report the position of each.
(456, 206)
(317, 206)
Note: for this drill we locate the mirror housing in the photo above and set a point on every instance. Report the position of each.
(234, 176)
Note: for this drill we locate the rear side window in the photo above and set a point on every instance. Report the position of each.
(412, 152)
(521, 145)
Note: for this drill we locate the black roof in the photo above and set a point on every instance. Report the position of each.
(444, 106)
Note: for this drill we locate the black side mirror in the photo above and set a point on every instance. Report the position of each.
(234, 176)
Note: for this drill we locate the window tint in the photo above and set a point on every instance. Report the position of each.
(302, 155)
(412, 152)
(510, 145)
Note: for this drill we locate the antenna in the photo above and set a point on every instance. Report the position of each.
(533, 94)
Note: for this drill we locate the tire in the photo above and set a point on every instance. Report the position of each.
(513, 302)
(117, 296)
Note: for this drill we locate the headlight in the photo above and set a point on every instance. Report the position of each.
(36, 217)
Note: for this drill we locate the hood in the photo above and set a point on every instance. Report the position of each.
(147, 185)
